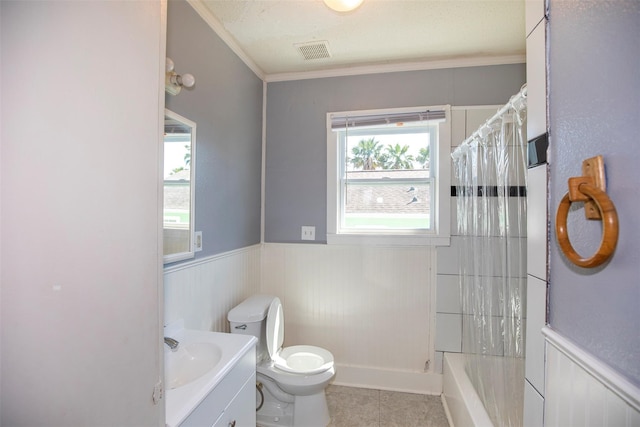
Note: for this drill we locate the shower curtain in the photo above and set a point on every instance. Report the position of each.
(490, 169)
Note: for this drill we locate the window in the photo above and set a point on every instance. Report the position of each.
(388, 174)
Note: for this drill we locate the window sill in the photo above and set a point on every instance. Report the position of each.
(388, 240)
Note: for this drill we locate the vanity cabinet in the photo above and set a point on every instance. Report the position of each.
(232, 401)
(241, 410)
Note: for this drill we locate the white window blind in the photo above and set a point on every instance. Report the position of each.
(339, 121)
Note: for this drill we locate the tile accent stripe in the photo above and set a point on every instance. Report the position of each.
(491, 191)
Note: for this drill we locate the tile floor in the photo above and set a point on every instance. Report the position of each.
(360, 407)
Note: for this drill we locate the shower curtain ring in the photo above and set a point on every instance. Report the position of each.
(607, 211)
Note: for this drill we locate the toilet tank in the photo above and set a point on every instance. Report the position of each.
(250, 318)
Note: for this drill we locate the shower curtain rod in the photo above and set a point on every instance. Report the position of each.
(518, 97)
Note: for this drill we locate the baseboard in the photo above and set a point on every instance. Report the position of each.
(388, 379)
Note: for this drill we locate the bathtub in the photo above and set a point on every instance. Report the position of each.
(461, 402)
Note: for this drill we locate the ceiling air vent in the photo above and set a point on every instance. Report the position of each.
(314, 50)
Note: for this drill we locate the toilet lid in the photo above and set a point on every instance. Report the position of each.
(275, 327)
(299, 359)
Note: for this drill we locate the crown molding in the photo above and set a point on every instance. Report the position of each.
(398, 67)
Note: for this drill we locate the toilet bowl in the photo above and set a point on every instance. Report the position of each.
(299, 359)
(297, 384)
(292, 379)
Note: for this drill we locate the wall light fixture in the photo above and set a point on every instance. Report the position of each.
(174, 82)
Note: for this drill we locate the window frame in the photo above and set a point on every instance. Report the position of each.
(439, 234)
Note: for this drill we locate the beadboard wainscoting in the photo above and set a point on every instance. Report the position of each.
(371, 306)
(203, 291)
(583, 391)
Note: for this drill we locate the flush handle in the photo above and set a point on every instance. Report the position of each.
(243, 327)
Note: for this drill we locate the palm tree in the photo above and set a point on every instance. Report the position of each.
(366, 155)
(423, 157)
(187, 155)
(396, 157)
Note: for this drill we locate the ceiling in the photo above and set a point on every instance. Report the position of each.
(267, 33)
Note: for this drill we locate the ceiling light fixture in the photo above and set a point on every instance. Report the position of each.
(343, 5)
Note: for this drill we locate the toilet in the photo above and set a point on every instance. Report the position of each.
(292, 380)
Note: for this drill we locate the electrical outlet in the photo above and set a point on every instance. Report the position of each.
(197, 244)
(308, 232)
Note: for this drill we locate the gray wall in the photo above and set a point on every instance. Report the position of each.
(594, 107)
(296, 157)
(226, 104)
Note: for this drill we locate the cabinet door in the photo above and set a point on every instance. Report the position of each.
(241, 411)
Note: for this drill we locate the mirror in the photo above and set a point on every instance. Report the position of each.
(179, 180)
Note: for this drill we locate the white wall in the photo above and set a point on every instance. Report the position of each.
(202, 292)
(81, 116)
(376, 320)
(1, 240)
(581, 390)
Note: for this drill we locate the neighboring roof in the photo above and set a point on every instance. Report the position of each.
(177, 197)
(392, 197)
(361, 198)
(177, 192)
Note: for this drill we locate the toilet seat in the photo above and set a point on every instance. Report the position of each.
(297, 359)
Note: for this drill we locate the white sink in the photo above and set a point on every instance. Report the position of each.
(189, 362)
(200, 362)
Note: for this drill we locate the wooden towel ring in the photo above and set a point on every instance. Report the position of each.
(609, 216)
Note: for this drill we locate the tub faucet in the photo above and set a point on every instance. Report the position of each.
(173, 344)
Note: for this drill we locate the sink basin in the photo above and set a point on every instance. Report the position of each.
(203, 359)
(190, 362)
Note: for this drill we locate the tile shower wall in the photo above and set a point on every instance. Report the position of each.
(371, 306)
(465, 121)
(537, 225)
(203, 292)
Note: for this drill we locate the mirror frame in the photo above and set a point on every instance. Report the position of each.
(180, 256)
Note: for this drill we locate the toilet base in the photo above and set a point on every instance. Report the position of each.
(275, 414)
(289, 410)
(311, 411)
